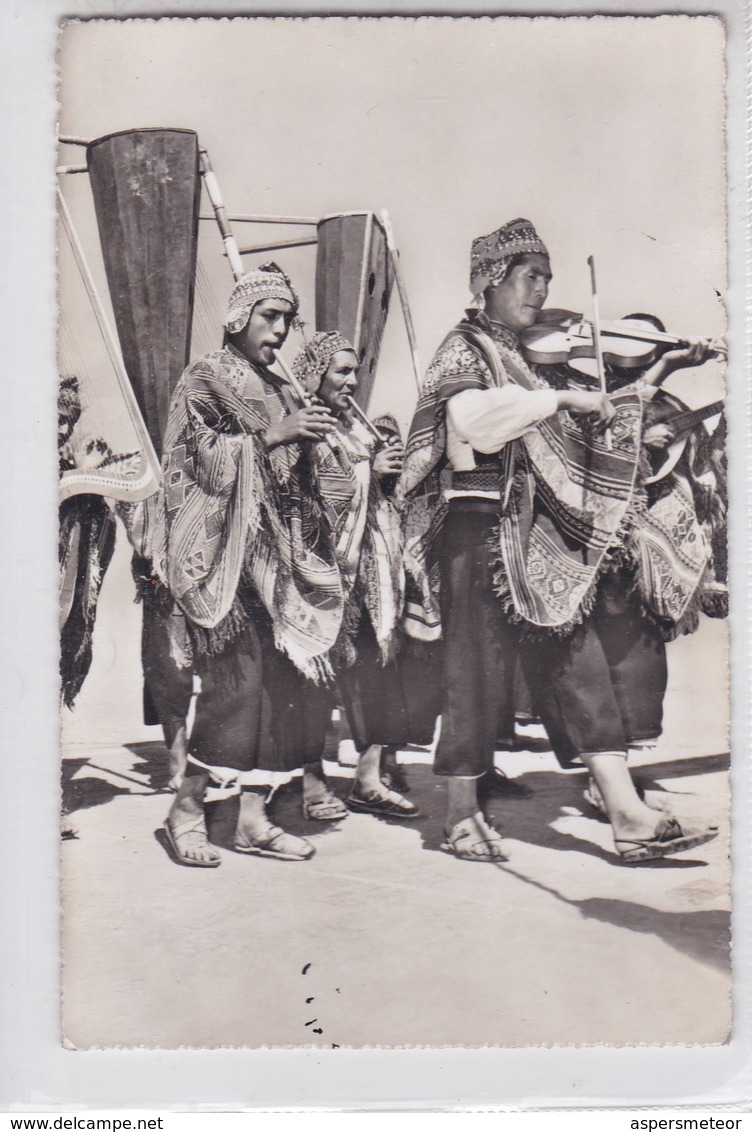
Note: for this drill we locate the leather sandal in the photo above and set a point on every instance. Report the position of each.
(325, 809)
(470, 834)
(389, 805)
(274, 842)
(668, 838)
(191, 834)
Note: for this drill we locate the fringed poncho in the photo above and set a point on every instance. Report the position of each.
(236, 523)
(569, 501)
(366, 532)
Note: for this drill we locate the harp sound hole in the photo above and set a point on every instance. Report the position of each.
(371, 283)
(362, 355)
(384, 301)
(371, 364)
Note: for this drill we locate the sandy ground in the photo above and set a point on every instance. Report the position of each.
(381, 939)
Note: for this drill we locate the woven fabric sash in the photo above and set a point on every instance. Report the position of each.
(480, 479)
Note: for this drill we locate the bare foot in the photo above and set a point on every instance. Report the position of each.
(256, 835)
(252, 817)
(320, 803)
(318, 797)
(473, 839)
(639, 824)
(186, 827)
(273, 841)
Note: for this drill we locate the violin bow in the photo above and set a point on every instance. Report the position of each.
(597, 343)
(402, 289)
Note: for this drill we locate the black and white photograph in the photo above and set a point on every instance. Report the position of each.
(393, 555)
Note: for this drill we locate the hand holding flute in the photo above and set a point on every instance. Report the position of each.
(388, 459)
(312, 422)
(390, 453)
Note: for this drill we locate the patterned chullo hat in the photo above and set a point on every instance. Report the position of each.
(491, 256)
(266, 282)
(312, 361)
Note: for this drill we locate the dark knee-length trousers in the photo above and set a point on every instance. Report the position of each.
(598, 689)
(252, 714)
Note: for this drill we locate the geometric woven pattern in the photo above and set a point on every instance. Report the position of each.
(571, 498)
(231, 510)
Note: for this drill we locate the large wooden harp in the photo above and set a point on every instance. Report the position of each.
(354, 279)
(114, 400)
(146, 187)
(104, 446)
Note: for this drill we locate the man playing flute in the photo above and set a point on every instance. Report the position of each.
(238, 541)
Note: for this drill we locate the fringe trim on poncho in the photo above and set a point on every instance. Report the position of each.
(234, 517)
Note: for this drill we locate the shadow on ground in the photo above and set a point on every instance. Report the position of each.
(704, 935)
(153, 762)
(701, 934)
(685, 768)
(83, 793)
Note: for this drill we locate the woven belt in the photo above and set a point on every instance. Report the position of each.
(479, 479)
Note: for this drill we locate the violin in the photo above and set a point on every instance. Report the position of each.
(563, 337)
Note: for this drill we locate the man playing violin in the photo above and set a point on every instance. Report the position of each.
(535, 506)
(679, 491)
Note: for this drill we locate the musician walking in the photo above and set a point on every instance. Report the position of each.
(536, 505)
(238, 543)
(353, 476)
(634, 622)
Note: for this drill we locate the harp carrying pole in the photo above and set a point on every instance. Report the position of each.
(394, 253)
(263, 218)
(233, 255)
(220, 213)
(300, 242)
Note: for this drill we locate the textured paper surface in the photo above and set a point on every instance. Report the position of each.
(553, 159)
(454, 126)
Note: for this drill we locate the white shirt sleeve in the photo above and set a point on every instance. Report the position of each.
(487, 419)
